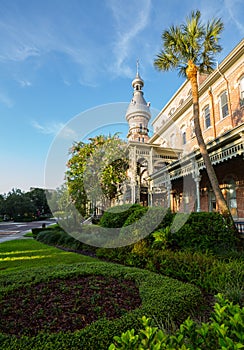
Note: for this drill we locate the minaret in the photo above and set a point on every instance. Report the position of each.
(138, 113)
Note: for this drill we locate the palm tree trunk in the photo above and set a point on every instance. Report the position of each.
(191, 72)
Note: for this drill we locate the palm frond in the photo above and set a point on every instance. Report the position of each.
(206, 63)
(212, 33)
(165, 61)
(193, 31)
(182, 70)
(190, 41)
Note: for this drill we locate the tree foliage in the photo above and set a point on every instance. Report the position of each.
(95, 170)
(19, 205)
(191, 41)
(190, 48)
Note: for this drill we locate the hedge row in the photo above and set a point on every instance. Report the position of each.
(204, 232)
(158, 301)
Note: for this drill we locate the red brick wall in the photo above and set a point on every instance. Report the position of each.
(233, 168)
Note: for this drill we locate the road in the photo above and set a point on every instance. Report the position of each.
(15, 230)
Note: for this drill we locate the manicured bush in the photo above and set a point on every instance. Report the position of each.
(135, 215)
(205, 271)
(114, 254)
(37, 230)
(116, 216)
(59, 237)
(49, 236)
(204, 232)
(142, 223)
(155, 292)
(224, 331)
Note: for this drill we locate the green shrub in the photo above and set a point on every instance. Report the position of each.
(205, 271)
(142, 223)
(115, 217)
(135, 215)
(204, 232)
(114, 254)
(224, 331)
(37, 230)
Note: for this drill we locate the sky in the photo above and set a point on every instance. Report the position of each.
(66, 68)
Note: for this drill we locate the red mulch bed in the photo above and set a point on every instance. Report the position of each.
(66, 305)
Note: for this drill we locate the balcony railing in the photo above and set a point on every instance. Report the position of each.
(240, 228)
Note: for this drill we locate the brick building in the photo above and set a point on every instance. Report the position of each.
(176, 174)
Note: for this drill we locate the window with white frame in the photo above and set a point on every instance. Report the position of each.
(192, 127)
(242, 91)
(223, 100)
(206, 115)
(183, 134)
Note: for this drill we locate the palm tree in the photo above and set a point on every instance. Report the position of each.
(190, 48)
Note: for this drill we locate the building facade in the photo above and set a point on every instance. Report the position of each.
(174, 172)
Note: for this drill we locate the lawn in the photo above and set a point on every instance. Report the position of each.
(52, 299)
(28, 253)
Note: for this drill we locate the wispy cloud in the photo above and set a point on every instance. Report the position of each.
(31, 36)
(6, 100)
(54, 129)
(130, 21)
(47, 129)
(28, 35)
(24, 83)
(235, 9)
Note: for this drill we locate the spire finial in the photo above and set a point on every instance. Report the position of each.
(137, 66)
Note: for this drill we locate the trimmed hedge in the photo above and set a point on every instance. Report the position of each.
(204, 232)
(37, 230)
(115, 217)
(155, 292)
(58, 237)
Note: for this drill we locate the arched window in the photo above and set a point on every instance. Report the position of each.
(206, 116)
(223, 100)
(183, 134)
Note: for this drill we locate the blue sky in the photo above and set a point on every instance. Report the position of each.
(60, 58)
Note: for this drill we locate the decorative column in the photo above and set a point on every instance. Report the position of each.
(197, 178)
(133, 174)
(150, 182)
(169, 188)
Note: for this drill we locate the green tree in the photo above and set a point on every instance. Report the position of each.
(95, 171)
(39, 200)
(190, 48)
(1, 205)
(18, 205)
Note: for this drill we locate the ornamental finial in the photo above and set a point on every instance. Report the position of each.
(137, 66)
